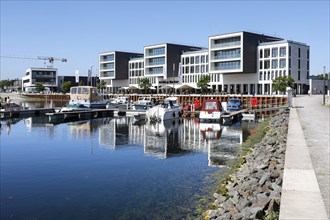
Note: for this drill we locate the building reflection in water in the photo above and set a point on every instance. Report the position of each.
(162, 140)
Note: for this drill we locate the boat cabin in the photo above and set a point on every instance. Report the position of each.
(211, 111)
(84, 93)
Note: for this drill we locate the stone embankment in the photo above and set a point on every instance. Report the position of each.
(254, 191)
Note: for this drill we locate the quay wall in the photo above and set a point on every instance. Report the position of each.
(254, 190)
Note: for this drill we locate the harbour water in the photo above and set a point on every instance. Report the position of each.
(110, 168)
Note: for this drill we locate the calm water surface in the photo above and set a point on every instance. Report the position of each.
(110, 168)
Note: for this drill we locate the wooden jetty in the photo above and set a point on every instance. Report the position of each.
(25, 112)
(59, 117)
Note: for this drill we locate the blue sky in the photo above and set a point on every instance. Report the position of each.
(80, 30)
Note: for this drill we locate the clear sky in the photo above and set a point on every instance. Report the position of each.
(80, 30)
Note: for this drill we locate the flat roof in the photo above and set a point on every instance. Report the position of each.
(282, 42)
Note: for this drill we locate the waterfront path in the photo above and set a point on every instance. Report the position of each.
(305, 189)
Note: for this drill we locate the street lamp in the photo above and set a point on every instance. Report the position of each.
(323, 85)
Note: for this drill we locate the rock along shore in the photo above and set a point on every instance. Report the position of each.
(254, 191)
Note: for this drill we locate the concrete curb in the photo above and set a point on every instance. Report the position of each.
(301, 197)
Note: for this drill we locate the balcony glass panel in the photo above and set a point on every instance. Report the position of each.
(156, 61)
(156, 51)
(227, 54)
(155, 70)
(227, 65)
(108, 74)
(107, 58)
(228, 42)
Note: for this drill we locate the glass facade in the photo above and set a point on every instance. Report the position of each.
(228, 42)
(232, 65)
(156, 51)
(156, 61)
(106, 58)
(227, 54)
(155, 70)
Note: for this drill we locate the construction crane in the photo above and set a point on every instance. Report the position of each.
(50, 59)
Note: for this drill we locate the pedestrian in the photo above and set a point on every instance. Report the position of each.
(8, 102)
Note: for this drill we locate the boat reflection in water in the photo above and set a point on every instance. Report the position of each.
(177, 137)
(164, 139)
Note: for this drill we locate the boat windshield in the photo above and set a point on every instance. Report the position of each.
(210, 106)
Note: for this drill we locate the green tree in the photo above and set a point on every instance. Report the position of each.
(282, 82)
(65, 87)
(39, 87)
(203, 82)
(322, 77)
(145, 84)
(6, 83)
(101, 85)
(81, 83)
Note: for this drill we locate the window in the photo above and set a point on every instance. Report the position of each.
(298, 63)
(282, 63)
(261, 53)
(267, 64)
(192, 60)
(274, 52)
(260, 64)
(197, 69)
(260, 75)
(282, 52)
(267, 53)
(298, 74)
(203, 59)
(299, 52)
(187, 60)
(274, 64)
(197, 60)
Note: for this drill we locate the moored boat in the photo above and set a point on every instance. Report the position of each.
(144, 103)
(169, 109)
(87, 96)
(211, 111)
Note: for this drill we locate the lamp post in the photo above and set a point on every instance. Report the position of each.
(173, 76)
(323, 85)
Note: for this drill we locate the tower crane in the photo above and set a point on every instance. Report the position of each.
(50, 59)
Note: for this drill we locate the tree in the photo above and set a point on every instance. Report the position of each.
(65, 87)
(6, 83)
(101, 85)
(203, 82)
(145, 84)
(39, 87)
(322, 77)
(81, 83)
(282, 82)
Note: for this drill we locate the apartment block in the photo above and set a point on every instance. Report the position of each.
(114, 69)
(237, 63)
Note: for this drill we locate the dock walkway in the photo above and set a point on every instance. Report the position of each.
(305, 189)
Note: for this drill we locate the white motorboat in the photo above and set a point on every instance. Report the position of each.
(169, 109)
(119, 102)
(144, 103)
(74, 107)
(87, 96)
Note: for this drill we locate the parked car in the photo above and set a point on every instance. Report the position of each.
(234, 104)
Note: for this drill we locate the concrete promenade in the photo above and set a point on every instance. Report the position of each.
(305, 189)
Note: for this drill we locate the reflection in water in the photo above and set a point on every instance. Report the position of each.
(46, 168)
(162, 140)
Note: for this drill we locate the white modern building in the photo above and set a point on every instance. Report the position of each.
(237, 63)
(283, 58)
(194, 64)
(45, 76)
